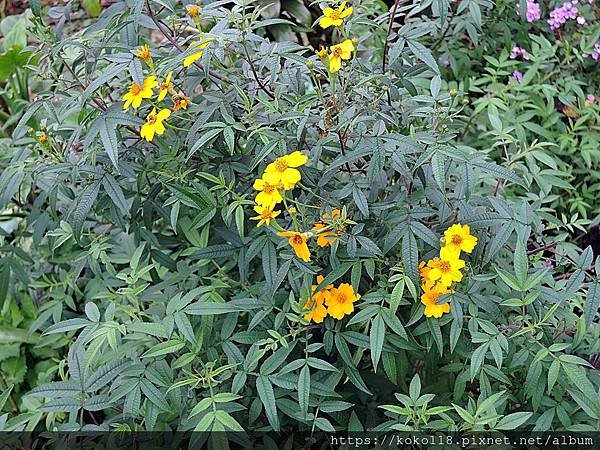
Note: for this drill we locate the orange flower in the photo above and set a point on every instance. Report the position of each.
(315, 304)
(298, 242)
(180, 101)
(327, 237)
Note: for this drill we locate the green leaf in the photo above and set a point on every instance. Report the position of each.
(592, 303)
(267, 398)
(164, 348)
(376, 338)
(114, 191)
(477, 358)
(499, 171)
(513, 421)
(304, 389)
(82, 206)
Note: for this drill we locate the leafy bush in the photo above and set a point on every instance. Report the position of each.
(260, 241)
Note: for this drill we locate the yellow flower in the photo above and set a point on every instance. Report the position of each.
(283, 170)
(322, 53)
(265, 215)
(188, 61)
(154, 123)
(193, 10)
(338, 53)
(143, 53)
(335, 17)
(180, 101)
(447, 269)
(458, 238)
(327, 237)
(298, 242)
(340, 301)
(315, 304)
(269, 194)
(165, 86)
(137, 93)
(430, 298)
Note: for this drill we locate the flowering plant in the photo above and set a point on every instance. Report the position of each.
(222, 232)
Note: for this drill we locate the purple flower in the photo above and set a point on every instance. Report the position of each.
(518, 51)
(548, 264)
(518, 76)
(533, 12)
(591, 97)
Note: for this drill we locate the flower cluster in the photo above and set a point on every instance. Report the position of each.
(137, 94)
(439, 274)
(332, 57)
(332, 301)
(567, 11)
(280, 175)
(517, 52)
(534, 12)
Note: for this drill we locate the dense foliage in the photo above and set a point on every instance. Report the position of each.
(224, 217)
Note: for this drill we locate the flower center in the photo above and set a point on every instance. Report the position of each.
(456, 239)
(444, 266)
(298, 240)
(281, 165)
(266, 214)
(335, 15)
(268, 188)
(152, 119)
(337, 52)
(164, 86)
(341, 298)
(135, 89)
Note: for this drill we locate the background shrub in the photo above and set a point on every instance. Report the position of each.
(138, 293)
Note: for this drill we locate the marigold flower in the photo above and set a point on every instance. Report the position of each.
(143, 53)
(269, 194)
(137, 93)
(188, 61)
(447, 269)
(424, 270)
(326, 237)
(335, 17)
(265, 215)
(193, 10)
(180, 101)
(338, 53)
(165, 87)
(322, 52)
(459, 239)
(154, 124)
(283, 170)
(315, 304)
(340, 301)
(430, 298)
(298, 242)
